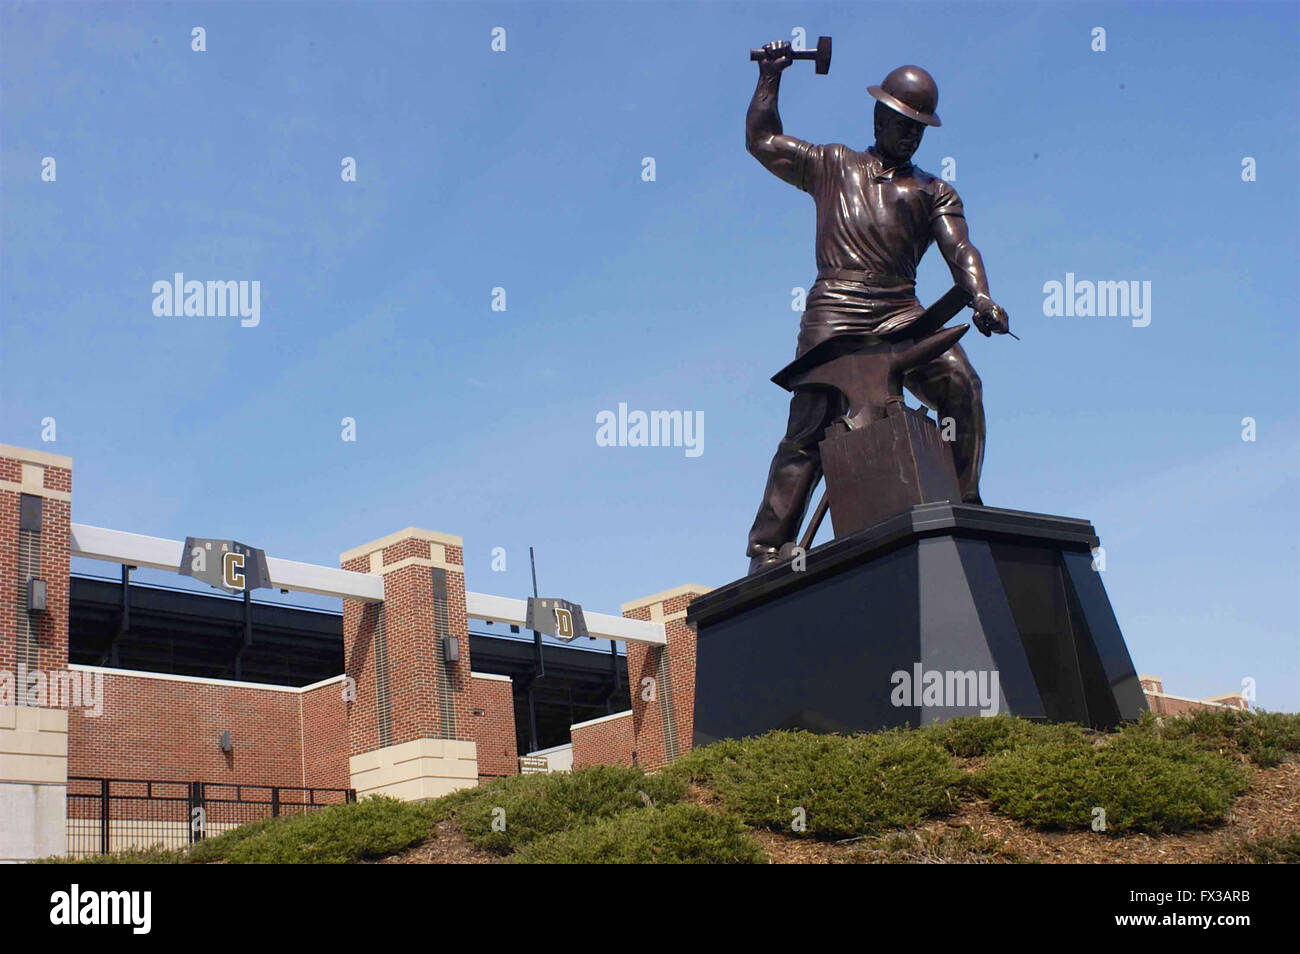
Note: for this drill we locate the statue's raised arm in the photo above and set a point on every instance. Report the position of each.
(782, 155)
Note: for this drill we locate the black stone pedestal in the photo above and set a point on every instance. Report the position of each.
(854, 641)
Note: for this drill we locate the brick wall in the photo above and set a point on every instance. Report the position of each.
(1162, 703)
(324, 719)
(605, 741)
(661, 679)
(494, 730)
(170, 729)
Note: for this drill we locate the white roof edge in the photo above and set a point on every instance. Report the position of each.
(202, 680)
(553, 748)
(604, 718)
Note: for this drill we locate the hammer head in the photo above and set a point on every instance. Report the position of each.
(822, 61)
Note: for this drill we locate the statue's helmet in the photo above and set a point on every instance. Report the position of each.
(911, 91)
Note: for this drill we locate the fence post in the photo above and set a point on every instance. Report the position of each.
(275, 801)
(103, 816)
(196, 802)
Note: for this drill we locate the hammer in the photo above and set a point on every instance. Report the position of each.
(821, 56)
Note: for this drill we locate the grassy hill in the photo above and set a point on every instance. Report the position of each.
(1220, 786)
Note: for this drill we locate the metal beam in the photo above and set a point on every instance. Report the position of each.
(117, 546)
(503, 609)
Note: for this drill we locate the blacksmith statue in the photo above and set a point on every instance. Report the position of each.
(876, 216)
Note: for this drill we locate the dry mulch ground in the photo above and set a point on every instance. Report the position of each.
(447, 847)
(974, 834)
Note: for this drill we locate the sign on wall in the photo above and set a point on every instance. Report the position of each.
(558, 618)
(226, 564)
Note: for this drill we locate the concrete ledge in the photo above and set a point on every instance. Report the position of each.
(410, 533)
(35, 456)
(33, 745)
(416, 770)
(686, 589)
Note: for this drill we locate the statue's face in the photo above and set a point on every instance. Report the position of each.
(897, 137)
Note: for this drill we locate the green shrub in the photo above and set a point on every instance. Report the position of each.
(218, 847)
(973, 736)
(677, 834)
(527, 807)
(340, 834)
(845, 785)
(1142, 780)
(1264, 737)
(1275, 850)
(156, 855)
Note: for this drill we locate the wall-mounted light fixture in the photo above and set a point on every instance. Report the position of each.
(226, 744)
(35, 595)
(451, 649)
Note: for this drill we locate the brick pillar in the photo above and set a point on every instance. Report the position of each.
(35, 538)
(661, 679)
(409, 725)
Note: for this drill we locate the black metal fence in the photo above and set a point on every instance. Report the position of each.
(113, 814)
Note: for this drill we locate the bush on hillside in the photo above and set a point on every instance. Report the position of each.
(511, 812)
(835, 786)
(1141, 780)
(678, 834)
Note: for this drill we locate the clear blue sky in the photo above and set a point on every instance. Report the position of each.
(522, 169)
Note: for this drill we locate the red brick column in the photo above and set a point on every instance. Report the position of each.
(410, 727)
(661, 679)
(38, 641)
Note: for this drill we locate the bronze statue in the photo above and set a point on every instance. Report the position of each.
(876, 216)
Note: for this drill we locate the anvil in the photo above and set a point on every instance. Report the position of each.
(881, 457)
(868, 369)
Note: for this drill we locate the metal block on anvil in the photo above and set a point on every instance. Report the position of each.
(882, 469)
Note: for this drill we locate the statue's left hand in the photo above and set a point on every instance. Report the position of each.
(992, 319)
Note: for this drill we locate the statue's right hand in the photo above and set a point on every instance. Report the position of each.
(776, 59)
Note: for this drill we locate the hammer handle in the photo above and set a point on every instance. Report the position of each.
(793, 54)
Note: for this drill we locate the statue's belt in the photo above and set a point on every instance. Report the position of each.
(891, 285)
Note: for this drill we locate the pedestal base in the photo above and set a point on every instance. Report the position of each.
(943, 611)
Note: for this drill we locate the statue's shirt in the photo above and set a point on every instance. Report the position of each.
(873, 225)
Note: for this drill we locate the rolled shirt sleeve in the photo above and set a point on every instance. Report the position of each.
(946, 201)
